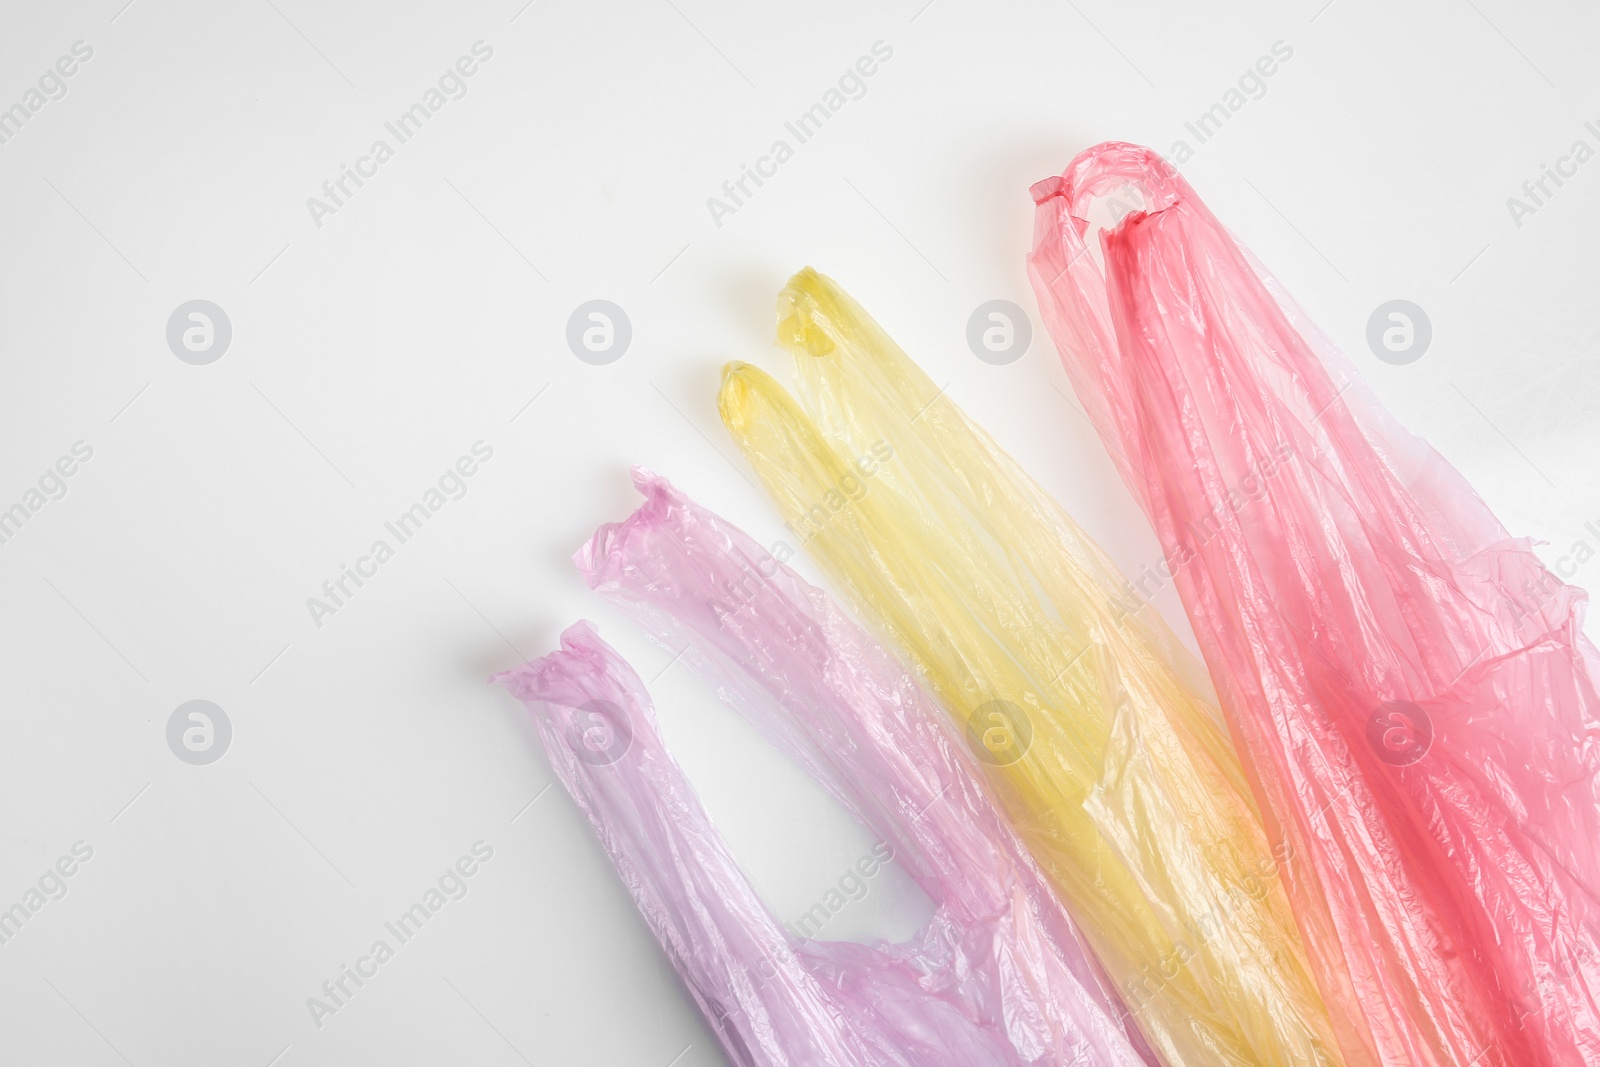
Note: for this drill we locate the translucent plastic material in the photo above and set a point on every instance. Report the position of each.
(997, 976)
(1411, 687)
(1114, 767)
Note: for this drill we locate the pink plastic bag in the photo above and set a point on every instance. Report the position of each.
(997, 976)
(1422, 731)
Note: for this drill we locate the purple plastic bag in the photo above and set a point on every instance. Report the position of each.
(997, 976)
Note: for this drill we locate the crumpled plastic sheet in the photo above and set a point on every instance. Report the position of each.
(1410, 685)
(1093, 725)
(997, 975)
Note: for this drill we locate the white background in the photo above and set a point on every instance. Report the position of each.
(372, 351)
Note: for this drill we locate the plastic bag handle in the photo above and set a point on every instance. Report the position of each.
(1103, 169)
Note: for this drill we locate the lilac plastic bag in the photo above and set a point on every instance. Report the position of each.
(997, 976)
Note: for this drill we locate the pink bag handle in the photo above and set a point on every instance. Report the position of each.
(1103, 170)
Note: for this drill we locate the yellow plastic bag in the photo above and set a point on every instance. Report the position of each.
(1096, 726)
